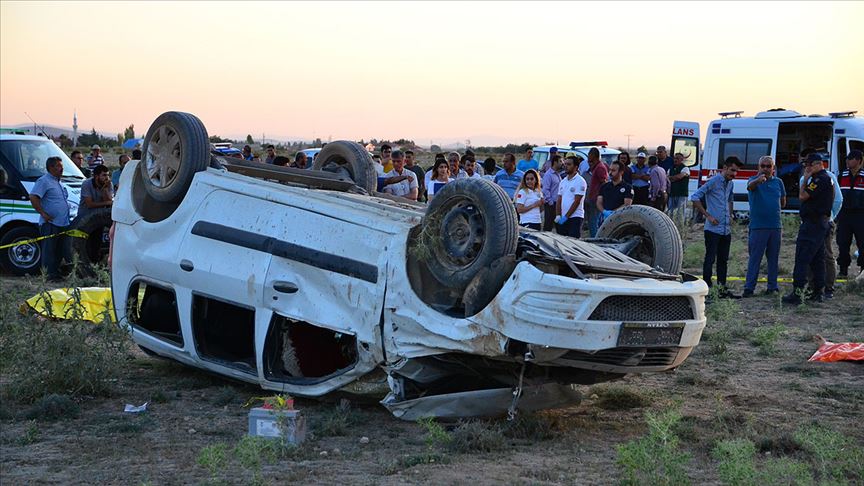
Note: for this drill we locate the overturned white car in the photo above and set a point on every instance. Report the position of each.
(305, 281)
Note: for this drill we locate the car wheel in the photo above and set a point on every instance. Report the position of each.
(351, 159)
(175, 148)
(660, 244)
(94, 248)
(22, 259)
(486, 284)
(468, 225)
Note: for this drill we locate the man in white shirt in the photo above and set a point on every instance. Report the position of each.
(570, 210)
(407, 187)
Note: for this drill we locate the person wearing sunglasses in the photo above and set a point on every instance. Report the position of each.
(767, 196)
(78, 159)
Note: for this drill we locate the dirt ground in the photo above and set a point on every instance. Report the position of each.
(748, 378)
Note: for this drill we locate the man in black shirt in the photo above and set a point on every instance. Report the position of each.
(616, 193)
(816, 195)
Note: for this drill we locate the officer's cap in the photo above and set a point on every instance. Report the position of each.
(814, 157)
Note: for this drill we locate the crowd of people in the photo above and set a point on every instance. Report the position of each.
(568, 193)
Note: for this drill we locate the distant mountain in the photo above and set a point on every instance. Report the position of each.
(55, 131)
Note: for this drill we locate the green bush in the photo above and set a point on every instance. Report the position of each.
(765, 338)
(336, 421)
(612, 397)
(835, 456)
(476, 436)
(53, 407)
(737, 466)
(655, 459)
(71, 357)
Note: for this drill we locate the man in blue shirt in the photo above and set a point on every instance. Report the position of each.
(767, 195)
(528, 162)
(50, 199)
(641, 175)
(509, 177)
(718, 222)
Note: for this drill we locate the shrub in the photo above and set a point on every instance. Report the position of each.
(834, 455)
(72, 357)
(53, 407)
(765, 338)
(619, 398)
(336, 421)
(476, 436)
(655, 459)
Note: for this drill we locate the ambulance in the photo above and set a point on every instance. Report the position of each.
(782, 134)
(22, 161)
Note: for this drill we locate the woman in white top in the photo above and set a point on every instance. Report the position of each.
(529, 199)
(440, 177)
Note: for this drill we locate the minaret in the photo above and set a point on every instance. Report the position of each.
(75, 128)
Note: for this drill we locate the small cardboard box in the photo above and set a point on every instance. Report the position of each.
(288, 425)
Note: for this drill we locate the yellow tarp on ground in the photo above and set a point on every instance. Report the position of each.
(95, 303)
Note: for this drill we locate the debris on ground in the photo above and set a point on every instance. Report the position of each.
(133, 409)
(92, 304)
(830, 352)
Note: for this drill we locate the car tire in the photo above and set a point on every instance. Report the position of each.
(661, 243)
(25, 259)
(469, 224)
(175, 149)
(486, 284)
(351, 158)
(94, 248)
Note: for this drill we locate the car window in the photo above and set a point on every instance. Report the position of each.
(609, 158)
(748, 151)
(541, 158)
(28, 157)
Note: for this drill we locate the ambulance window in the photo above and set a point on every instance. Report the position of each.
(748, 151)
(688, 148)
(856, 145)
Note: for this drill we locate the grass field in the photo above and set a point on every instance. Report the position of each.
(745, 408)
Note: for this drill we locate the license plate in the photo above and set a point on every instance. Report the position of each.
(650, 333)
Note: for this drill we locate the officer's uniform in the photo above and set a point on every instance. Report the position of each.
(815, 215)
(850, 220)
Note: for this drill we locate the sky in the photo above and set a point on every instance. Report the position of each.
(439, 72)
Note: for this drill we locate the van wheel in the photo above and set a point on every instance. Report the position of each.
(660, 245)
(469, 224)
(351, 159)
(22, 259)
(93, 249)
(175, 148)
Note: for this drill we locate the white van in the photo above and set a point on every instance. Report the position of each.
(782, 134)
(579, 149)
(22, 161)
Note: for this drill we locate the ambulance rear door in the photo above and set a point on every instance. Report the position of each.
(685, 140)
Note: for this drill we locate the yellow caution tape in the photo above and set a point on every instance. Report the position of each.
(73, 233)
(95, 304)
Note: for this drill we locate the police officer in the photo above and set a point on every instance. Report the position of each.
(816, 195)
(850, 220)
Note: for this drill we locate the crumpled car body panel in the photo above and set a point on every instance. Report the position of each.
(304, 291)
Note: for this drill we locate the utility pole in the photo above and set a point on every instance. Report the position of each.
(628, 135)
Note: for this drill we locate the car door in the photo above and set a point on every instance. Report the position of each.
(685, 140)
(326, 286)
